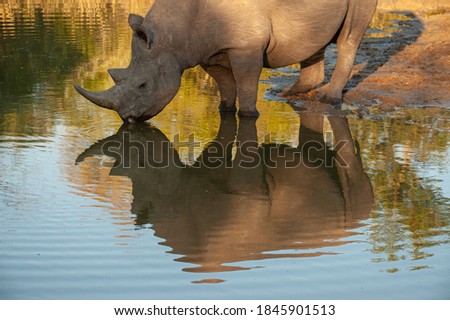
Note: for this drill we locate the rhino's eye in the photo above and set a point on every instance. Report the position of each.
(143, 86)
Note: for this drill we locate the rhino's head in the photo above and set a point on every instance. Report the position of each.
(149, 83)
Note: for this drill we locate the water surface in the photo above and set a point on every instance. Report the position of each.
(256, 210)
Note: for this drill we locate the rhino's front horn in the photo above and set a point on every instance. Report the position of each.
(106, 99)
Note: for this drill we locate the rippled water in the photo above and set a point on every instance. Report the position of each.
(76, 223)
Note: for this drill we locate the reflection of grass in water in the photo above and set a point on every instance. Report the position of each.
(88, 7)
(387, 23)
(76, 31)
(411, 213)
(43, 44)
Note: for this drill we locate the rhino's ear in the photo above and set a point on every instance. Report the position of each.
(135, 22)
(135, 19)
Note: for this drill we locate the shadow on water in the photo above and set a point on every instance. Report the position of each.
(242, 201)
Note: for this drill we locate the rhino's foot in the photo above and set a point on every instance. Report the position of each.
(324, 96)
(334, 101)
(295, 90)
(224, 107)
(248, 114)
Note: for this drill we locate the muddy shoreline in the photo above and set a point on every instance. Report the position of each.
(403, 61)
(417, 71)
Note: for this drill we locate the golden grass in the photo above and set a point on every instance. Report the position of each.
(413, 5)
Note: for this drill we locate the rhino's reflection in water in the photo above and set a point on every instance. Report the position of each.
(217, 216)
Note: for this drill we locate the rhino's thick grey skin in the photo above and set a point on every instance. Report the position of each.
(233, 40)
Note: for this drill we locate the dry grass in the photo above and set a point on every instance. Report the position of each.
(414, 5)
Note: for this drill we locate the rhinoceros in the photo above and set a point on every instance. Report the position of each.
(233, 40)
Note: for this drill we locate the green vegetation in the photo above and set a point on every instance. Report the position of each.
(410, 209)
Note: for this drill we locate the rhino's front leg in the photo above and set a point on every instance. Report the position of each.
(246, 67)
(227, 86)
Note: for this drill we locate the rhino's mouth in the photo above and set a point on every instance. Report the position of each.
(132, 119)
(132, 114)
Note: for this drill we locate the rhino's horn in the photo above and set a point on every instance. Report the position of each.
(106, 99)
(118, 75)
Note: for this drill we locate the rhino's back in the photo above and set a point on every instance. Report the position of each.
(289, 30)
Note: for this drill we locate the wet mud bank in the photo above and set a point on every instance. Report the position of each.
(403, 61)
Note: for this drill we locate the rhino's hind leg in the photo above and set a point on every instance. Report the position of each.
(312, 74)
(227, 86)
(349, 39)
(332, 92)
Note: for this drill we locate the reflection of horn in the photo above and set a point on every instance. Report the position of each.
(92, 151)
(97, 149)
(107, 99)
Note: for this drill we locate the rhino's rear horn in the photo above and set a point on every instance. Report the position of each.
(118, 75)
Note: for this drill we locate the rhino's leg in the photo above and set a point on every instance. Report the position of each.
(349, 39)
(246, 66)
(227, 86)
(312, 74)
(332, 92)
